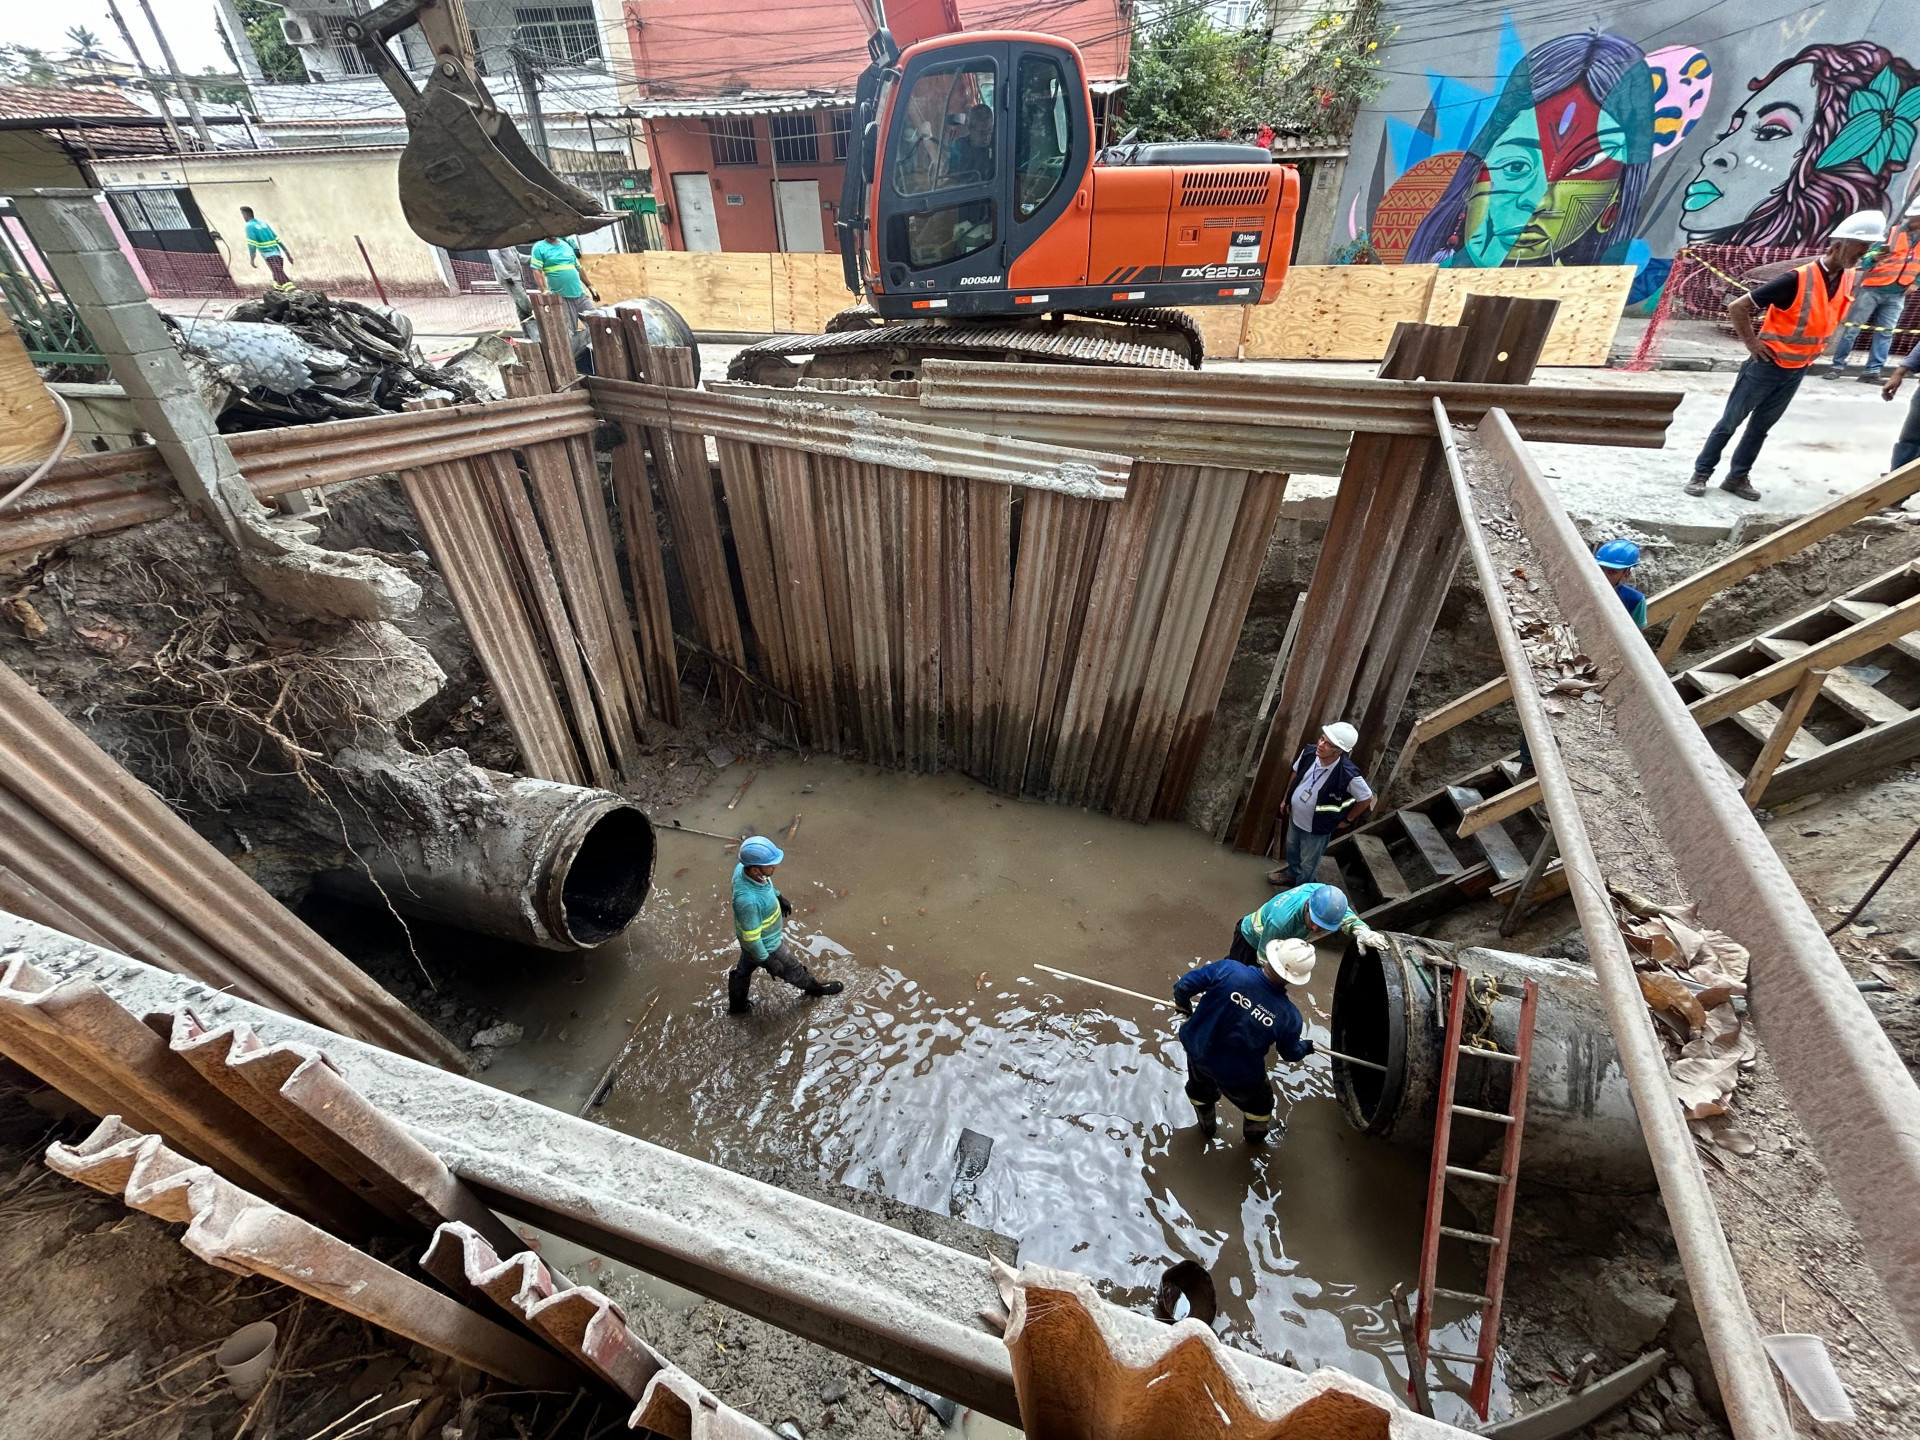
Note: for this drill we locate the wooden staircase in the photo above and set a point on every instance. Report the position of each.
(1844, 722)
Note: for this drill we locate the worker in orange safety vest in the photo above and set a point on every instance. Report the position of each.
(1886, 279)
(1799, 313)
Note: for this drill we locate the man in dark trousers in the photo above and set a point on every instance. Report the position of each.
(1326, 795)
(760, 920)
(1798, 314)
(1906, 449)
(1236, 1013)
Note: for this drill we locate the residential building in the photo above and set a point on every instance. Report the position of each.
(747, 111)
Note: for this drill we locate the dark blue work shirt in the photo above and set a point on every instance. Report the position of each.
(1238, 1014)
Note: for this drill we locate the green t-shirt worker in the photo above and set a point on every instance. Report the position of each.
(760, 921)
(263, 243)
(557, 263)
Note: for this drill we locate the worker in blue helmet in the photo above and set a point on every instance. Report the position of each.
(760, 920)
(1617, 559)
(1306, 912)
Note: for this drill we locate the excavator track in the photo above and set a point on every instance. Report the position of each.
(857, 348)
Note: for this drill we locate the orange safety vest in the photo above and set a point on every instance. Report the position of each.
(1795, 336)
(1898, 264)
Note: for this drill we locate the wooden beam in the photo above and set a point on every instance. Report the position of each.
(1791, 716)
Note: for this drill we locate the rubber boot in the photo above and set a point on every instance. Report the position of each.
(1209, 1120)
(738, 980)
(1258, 1130)
(824, 987)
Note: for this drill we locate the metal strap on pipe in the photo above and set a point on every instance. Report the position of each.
(1586, 415)
(1846, 1081)
(1733, 1340)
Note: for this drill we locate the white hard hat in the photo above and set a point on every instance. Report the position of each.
(1341, 734)
(1291, 960)
(1868, 225)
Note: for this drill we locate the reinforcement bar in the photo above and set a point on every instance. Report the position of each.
(1847, 1083)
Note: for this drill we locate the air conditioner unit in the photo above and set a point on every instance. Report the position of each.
(296, 31)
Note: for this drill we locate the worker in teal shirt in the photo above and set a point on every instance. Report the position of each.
(1617, 559)
(1306, 912)
(760, 920)
(264, 244)
(557, 263)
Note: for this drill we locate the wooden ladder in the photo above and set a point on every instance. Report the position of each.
(1441, 1169)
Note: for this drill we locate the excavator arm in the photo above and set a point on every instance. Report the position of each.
(467, 179)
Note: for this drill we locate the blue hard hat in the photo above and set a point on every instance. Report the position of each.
(1618, 554)
(1327, 906)
(758, 850)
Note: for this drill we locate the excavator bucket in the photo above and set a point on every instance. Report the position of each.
(469, 182)
(467, 179)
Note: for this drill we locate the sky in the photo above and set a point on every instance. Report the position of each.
(190, 26)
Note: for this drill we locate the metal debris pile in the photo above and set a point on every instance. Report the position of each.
(296, 356)
(1690, 976)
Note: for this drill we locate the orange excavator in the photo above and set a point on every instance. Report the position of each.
(979, 219)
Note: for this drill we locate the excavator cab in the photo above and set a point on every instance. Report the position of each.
(977, 190)
(467, 179)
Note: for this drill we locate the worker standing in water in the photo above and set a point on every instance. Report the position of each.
(1235, 1014)
(1306, 912)
(759, 918)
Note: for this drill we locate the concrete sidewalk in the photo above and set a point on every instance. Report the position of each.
(432, 316)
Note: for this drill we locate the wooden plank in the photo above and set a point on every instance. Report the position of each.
(809, 289)
(1190, 590)
(1387, 878)
(1828, 654)
(1870, 751)
(1431, 843)
(1792, 716)
(1862, 701)
(639, 528)
(1505, 857)
(1338, 312)
(29, 419)
(1226, 618)
(1591, 298)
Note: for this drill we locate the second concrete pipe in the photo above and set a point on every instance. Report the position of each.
(1582, 1132)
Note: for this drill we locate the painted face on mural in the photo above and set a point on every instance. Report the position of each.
(1551, 177)
(1755, 156)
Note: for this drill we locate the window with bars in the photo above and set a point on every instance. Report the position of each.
(795, 141)
(346, 55)
(564, 34)
(732, 140)
(840, 127)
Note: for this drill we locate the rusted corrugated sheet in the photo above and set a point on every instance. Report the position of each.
(138, 845)
(581, 1322)
(238, 1231)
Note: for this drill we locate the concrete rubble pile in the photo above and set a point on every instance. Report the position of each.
(295, 356)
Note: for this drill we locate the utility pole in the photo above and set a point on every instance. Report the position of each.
(153, 84)
(179, 80)
(530, 97)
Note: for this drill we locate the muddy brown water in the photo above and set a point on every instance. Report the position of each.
(933, 899)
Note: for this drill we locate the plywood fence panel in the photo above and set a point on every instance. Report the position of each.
(29, 420)
(616, 277)
(1591, 298)
(1339, 312)
(1220, 328)
(809, 289)
(729, 290)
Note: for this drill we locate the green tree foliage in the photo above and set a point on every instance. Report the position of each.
(279, 61)
(26, 65)
(86, 44)
(222, 89)
(1189, 79)
(1320, 78)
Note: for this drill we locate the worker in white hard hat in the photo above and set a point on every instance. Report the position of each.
(1326, 796)
(1886, 275)
(1236, 1012)
(1798, 312)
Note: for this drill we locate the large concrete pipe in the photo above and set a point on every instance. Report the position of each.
(557, 866)
(1581, 1129)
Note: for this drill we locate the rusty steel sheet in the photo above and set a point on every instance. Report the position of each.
(1134, 400)
(1846, 1081)
(50, 764)
(235, 1230)
(92, 494)
(879, 1295)
(1726, 1320)
(1162, 441)
(583, 1323)
(792, 421)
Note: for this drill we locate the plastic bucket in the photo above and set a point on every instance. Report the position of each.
(246, 1359)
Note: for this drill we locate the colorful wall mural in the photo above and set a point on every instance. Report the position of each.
(1508, 136)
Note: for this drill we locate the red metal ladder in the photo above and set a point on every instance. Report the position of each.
(1439, 1171)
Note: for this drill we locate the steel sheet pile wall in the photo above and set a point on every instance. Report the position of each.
(1388, 557)
(925, 595)
(88, 849)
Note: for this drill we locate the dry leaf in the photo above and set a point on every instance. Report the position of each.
(1663, 992)
(31, 625)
